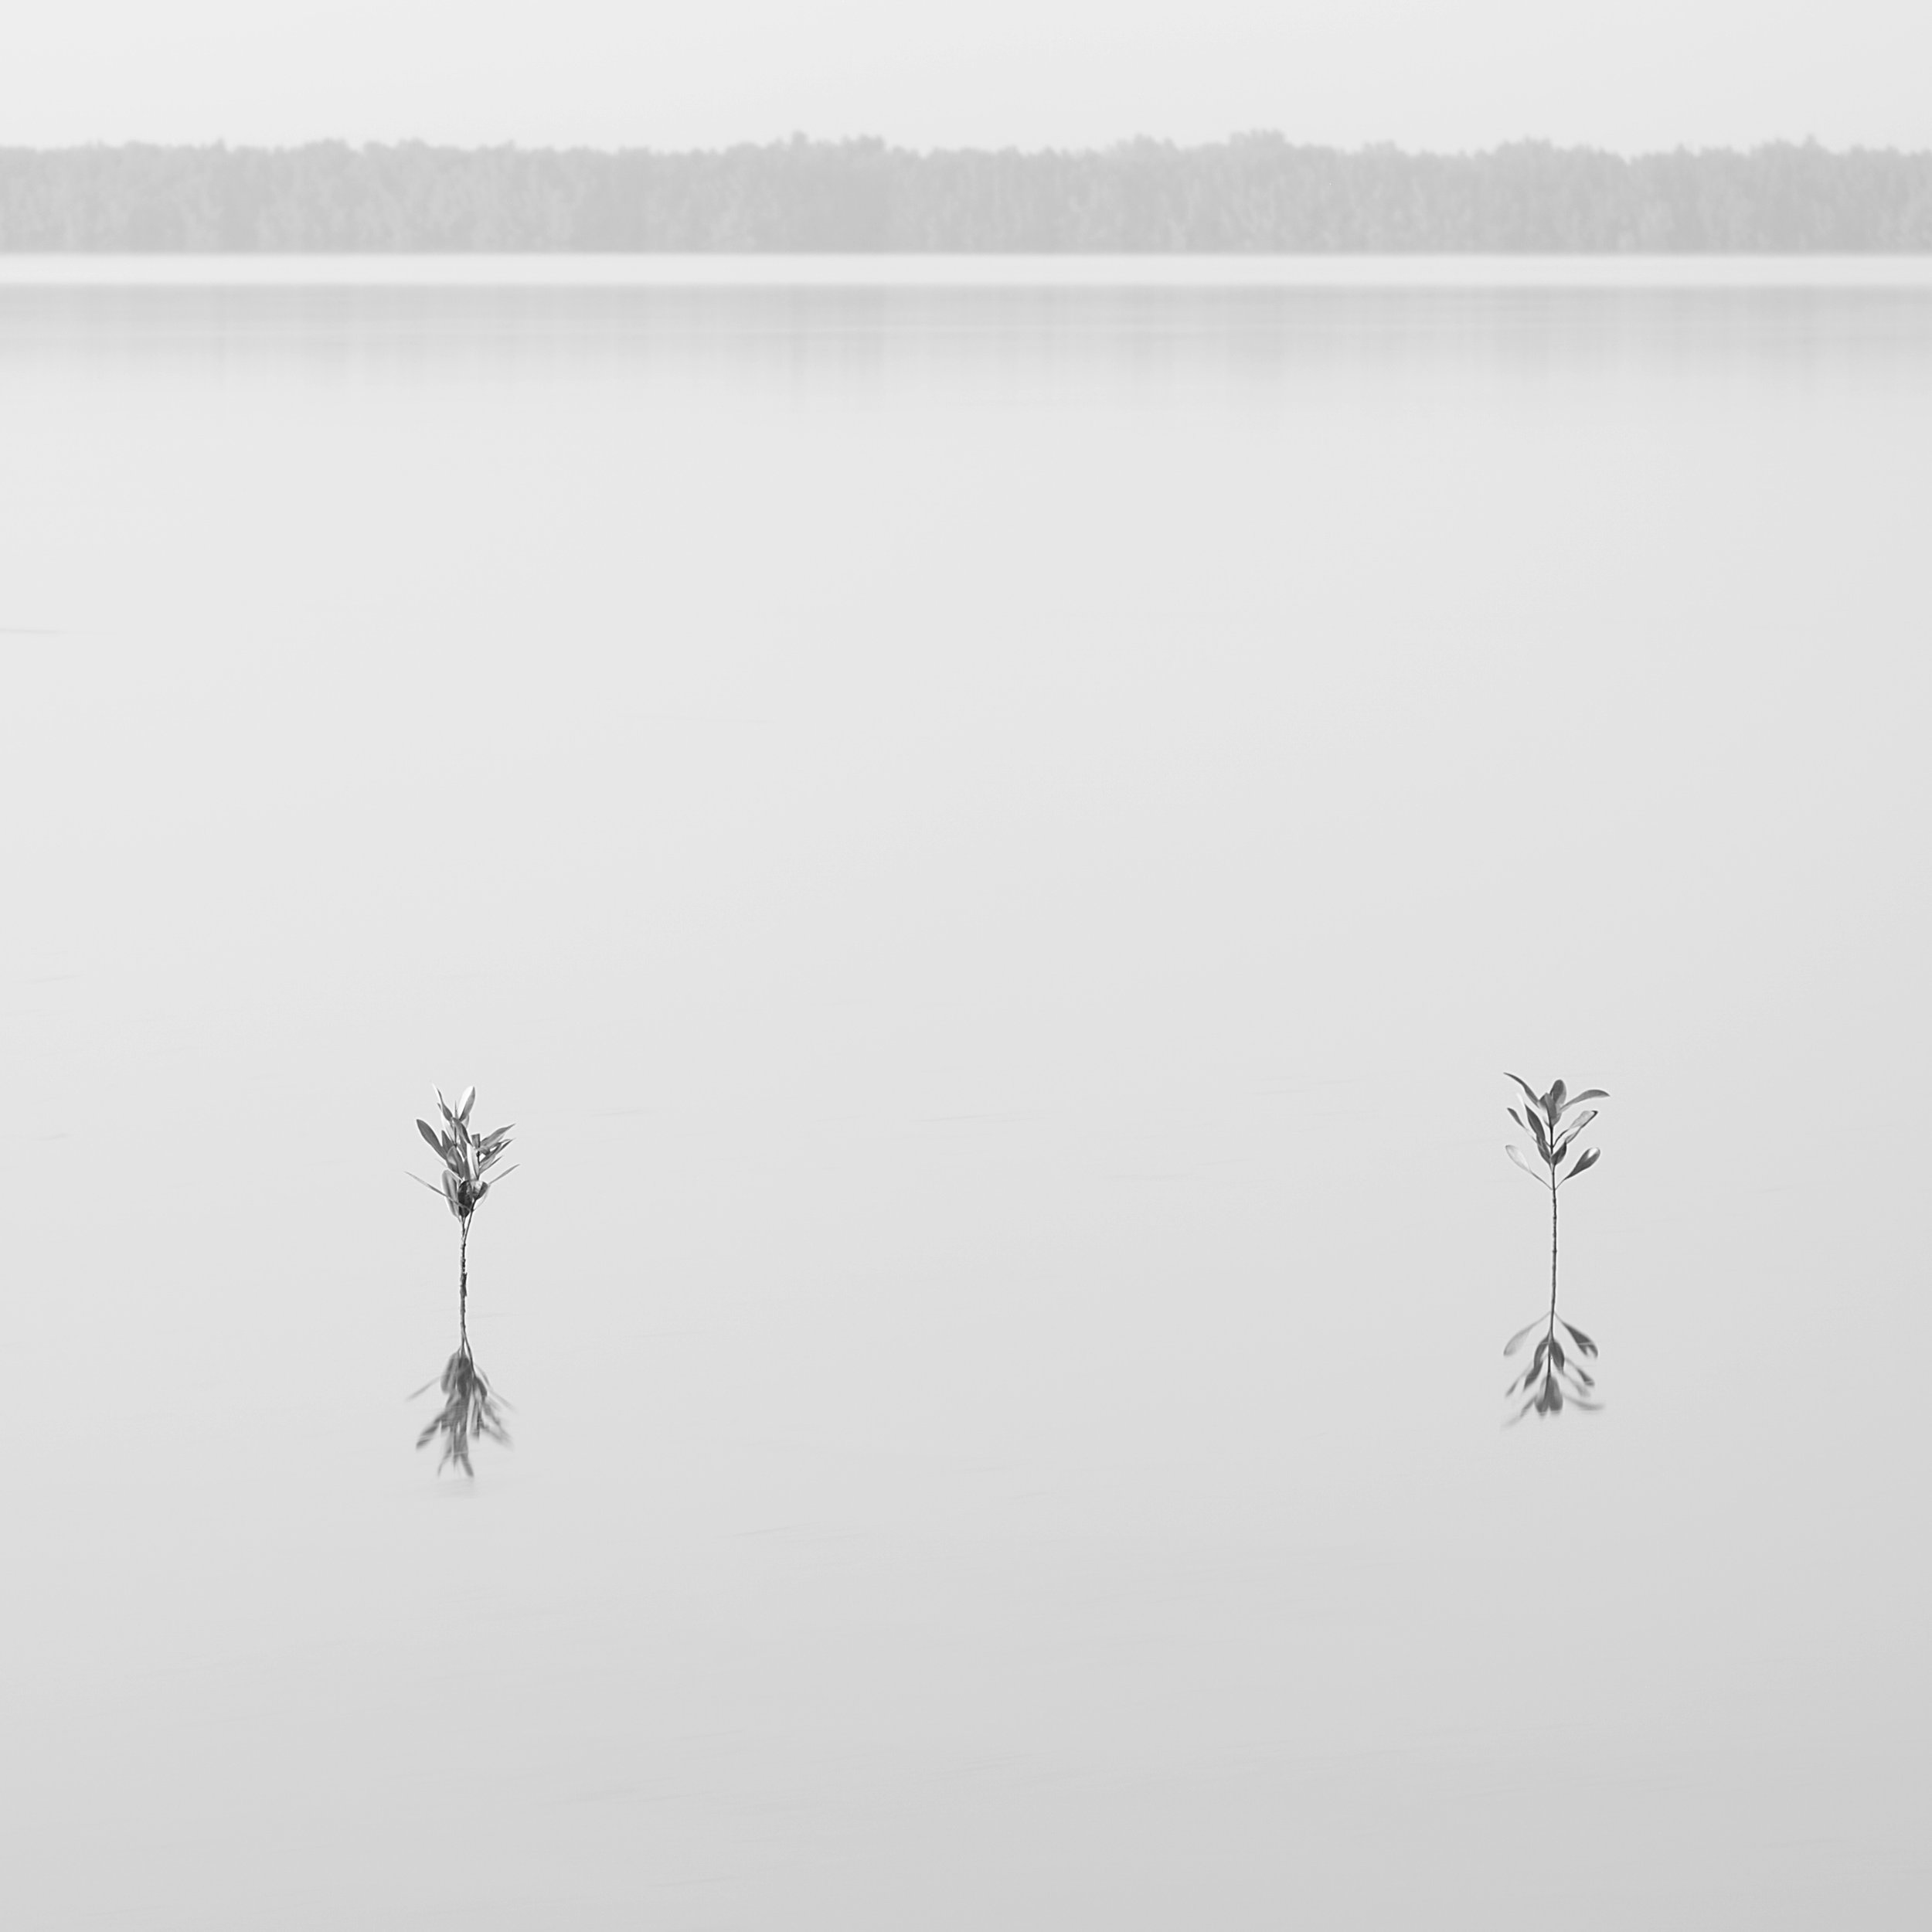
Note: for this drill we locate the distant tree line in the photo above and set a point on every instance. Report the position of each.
(1257, 193)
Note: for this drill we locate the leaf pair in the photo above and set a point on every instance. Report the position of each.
(460, 1112)
(1552, 1159)
(1558, 1101)
(1576, 1334)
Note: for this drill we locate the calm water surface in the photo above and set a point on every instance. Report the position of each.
(995, 840)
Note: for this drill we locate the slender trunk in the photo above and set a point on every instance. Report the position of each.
(1553, 1254)
(463, 1288)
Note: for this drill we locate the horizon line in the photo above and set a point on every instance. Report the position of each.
(800, 138)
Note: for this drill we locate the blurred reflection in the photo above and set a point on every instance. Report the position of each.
(470, 1408)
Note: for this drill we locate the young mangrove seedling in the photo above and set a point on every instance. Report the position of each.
(470, 1407)
(1553, 1377)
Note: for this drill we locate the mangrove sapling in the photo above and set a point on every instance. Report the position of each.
(1553, 1376)
(470, 1408)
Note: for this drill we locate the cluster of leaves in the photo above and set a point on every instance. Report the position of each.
(1552, 1377)
(467, 1158)
(470, 1408)
(1543, 1119)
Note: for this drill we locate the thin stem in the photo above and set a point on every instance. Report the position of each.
(1553, 1251)
(463, 1288)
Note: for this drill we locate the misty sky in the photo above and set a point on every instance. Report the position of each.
(1629, 74)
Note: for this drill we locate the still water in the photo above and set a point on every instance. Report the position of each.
(995, 837)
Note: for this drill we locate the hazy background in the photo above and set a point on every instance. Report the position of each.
(996, 842)
(1624, 74)
(1252, 194)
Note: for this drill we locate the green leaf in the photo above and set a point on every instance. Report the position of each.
(465, 1104)
(1577, 1100)
(1536, 1099)
(429, 1135)
(1521, 1335)
(1543, 1138)
(1581, 1340)
(1589, 1158)
(1553, 1100)
(1522, 1161)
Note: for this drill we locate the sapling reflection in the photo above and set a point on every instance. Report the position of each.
(1553, 1376)
(470, 1408)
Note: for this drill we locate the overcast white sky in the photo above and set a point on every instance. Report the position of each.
(1438, 73)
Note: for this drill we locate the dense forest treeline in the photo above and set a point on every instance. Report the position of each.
(1254, 193)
